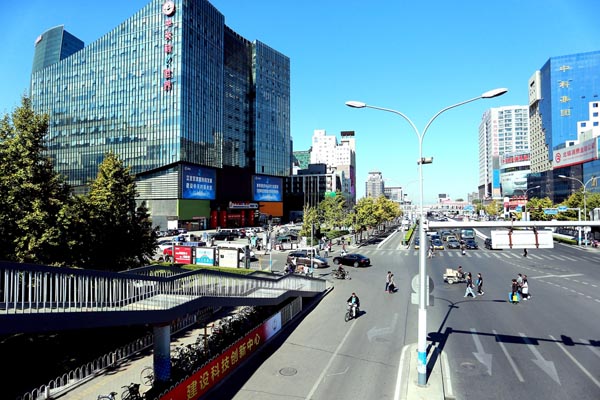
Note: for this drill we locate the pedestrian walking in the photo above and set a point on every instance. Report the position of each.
(392, 285)
(519, 282)
(524, 252)
(469, 289)
(525, 288)
(479, 283)
(387, 280)
(514, 292)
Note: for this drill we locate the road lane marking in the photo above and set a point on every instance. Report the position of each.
(335, 353)
(481, 356)
(592, 348)
(553, 276)
(509, 358)
(545, 365)
(581, 367)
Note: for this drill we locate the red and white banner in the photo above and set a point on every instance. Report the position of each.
(577, 154)
(202, 381)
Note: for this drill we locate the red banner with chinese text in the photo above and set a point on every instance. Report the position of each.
(212, 373)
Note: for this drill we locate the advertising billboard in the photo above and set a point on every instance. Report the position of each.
(205, 256)
(198, 183)
(183, 255)
(267, 188)
(577, 154)
(514, 183)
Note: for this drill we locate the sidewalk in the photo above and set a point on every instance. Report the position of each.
(438, 385)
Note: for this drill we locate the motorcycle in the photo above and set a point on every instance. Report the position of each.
(351, 312)
(343, 274)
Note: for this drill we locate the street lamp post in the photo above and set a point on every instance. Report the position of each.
(527, 198)
(422, 315)
(584, 185)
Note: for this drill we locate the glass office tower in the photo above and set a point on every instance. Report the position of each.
(54, 45)
(187, 103)
(564, 109)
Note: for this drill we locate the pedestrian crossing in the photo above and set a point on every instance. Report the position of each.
(477, 254)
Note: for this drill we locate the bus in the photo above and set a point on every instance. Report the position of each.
(467, 233)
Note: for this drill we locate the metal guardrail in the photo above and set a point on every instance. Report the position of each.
(92, 369)
(26, 288)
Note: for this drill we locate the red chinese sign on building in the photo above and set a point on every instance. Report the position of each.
(168, 9)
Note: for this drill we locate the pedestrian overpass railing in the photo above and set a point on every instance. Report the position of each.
(27, 288)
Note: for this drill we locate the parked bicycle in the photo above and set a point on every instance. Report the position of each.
(147, 376)
(132, 392)
(111, 396)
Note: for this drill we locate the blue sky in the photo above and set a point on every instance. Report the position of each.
(416, 57)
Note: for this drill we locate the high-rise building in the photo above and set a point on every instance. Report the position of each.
(54, 45)
(502, 130)
(339, 158)
(200, 114)
(374, 186)
(564, 112)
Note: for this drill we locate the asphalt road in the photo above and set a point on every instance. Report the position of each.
(547, 347)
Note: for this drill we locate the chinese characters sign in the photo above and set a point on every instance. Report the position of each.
(212, 373)
(167, 72)
(267, 188)
(578, 154)
(198, 183)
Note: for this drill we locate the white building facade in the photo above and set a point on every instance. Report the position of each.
(375, 186)
(502, 130)
(340, 159)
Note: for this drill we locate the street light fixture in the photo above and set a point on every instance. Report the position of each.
(422, 316)
(527, 198)
(584, 185)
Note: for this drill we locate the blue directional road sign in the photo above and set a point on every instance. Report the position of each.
(561, 208)
(469, 208)
(550, 211)
(518, 209)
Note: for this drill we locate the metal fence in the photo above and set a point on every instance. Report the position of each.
(90, 370)
(41, 289)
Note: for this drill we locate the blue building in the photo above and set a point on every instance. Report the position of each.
(200, 114)
(54, 45)
(564, 107)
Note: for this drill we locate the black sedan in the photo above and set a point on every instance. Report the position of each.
(471, 244)
(353, 259)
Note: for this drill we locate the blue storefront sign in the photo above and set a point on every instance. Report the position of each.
(198, 183)
(267, 188)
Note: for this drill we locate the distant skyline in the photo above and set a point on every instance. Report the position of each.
(414, 57)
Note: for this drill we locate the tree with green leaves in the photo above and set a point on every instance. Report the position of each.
(120, 236)
(493, 208)
(386, 210)
(33, 195)
(331, 210)
(535, 208)
(365, 217)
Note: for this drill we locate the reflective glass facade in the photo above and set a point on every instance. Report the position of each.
(271, 71)
(568, 84)
(164, 88)
(54, 45)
